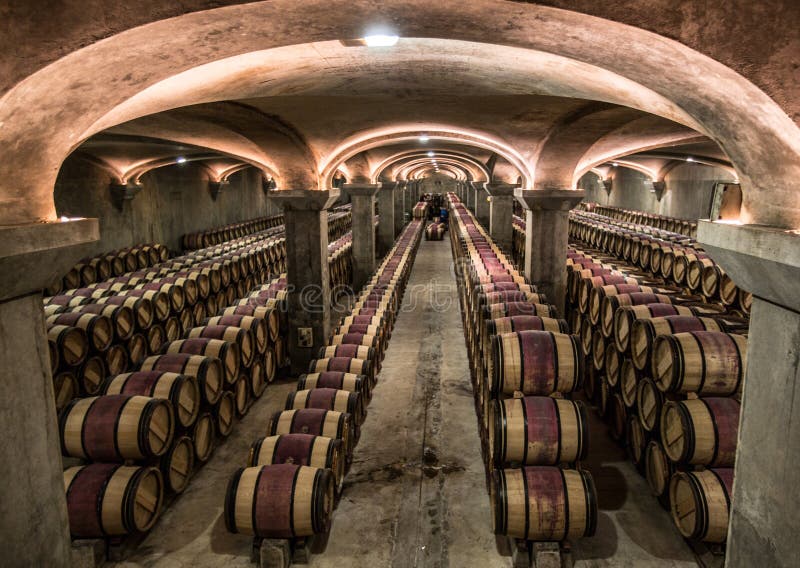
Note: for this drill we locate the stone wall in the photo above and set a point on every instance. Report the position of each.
(689, 190)
(174, 200)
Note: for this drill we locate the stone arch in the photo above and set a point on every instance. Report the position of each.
(650, 73)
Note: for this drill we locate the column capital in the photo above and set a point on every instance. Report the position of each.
(763, 260)
(501, 189)
(549, 199)
(306, 199)
(478, 184)
(362, 189)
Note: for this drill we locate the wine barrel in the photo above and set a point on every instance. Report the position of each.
(344, 365)
(257, 327)
(543, 503)
(637, 441)
(598, 294)
(116, 427)
(352, 351)
(300, 449)
(156, 337)
(613, 365)
(175, 293)
(538, 430)
(598, 352)
(649, 402)
(337, 380)
(105, 499)
(137, 350)
(508, 309)
(70, 342)
(610, 304)
(181, 390)
(269, 314)
(315, 421)
(121, 318)
(525, 323)
(224, 412)
(700, 503)
(329, 399)
(207, 370)
(658, 470)
(92, 375)
(116, 360)
(644, 332)
(159, 302)
(225, 351)
(536, 363)
(65, 388)
(177, 464)
(202, 436)
(694, 270)
(628, 382)
(701, 431)
(242, 337)
(279, 501)
(705, 362)
(241, 394)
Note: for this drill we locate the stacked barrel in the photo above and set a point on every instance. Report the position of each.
(295, 473)
(420, 210)
(524, 367)
(672, 224)
(435, 231)
(665, 368)
(219, 235)
(166, 415)
(115, 263)
(669, 255)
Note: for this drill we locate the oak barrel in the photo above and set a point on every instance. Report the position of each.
(700, 503)
(701, 431)
(106, 499)
(538, 430)
(543, 503)
(329, 399)
(116, 427)
(279, 501)
(300, 449)
(182, 391)
(207, 370)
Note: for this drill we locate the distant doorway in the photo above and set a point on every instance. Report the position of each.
(727, 202)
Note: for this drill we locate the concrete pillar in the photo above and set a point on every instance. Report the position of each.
(481, 205)
(306, 221)
(501, 212)
(546, 238)
(399, 219)
(363, 199)
(34, 527)
(470, 201)
(386, 222)
(764, 515)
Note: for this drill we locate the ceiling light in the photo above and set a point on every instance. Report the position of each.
(615, 164)
(424, 138)
(380, 40)
(431, 154)
(690, 159)
(180, 160)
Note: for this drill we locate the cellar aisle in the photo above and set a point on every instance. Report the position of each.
(415, 495)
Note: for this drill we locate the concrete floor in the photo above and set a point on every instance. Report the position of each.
(415, 495)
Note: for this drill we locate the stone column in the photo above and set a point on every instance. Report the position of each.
(546, 238)
(34, 527)
(386, 222)
(399, 220)
(306, 221)
(765, 516)
(501, 213)
(481, 205)
(363, 199)
(471, 195)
